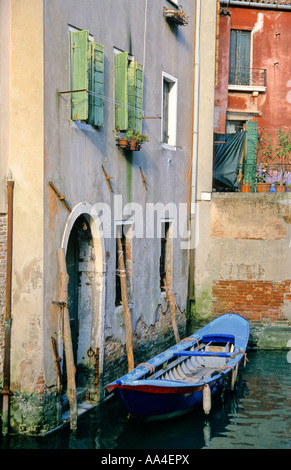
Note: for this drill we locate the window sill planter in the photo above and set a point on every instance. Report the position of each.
(178, 17)
(130, 140)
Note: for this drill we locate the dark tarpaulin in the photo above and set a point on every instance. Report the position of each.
(227, 157)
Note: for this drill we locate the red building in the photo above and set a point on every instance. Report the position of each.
(253, 91)
(254, 66)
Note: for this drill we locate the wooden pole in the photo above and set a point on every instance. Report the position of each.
(71, 382)
(60, 381)
(126, 311)
(172, 305)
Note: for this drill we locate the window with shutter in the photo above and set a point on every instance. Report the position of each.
(135, 96)
(87, 73)
(128, 93)
(121, 91)
(79, 74)
(239, 57)
(97, 85)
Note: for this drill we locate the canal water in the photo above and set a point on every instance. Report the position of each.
(256, 416)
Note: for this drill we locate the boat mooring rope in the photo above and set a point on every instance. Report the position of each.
(150, 366)
(190, 339)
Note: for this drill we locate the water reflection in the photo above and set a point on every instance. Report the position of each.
(256, 415)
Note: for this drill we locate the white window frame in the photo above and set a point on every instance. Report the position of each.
(172, 120)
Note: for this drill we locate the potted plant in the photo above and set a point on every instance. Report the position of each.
(246, 187)
(135, 139)
(121, 139)
(265, 154)
(176, 16)
(283, 157)
(130, 140)
(276, 150)
(262, 185)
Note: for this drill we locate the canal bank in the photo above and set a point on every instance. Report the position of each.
(256, 415)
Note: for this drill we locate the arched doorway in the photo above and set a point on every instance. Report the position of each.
(84, 250)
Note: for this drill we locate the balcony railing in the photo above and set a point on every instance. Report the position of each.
(271, 178)
(248, 77)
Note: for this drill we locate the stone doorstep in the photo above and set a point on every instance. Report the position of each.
(82, 408)
(83, 404)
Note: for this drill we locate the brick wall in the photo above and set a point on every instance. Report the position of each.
(250, 256)
(3, 234)
(256, 300)
(147, 342)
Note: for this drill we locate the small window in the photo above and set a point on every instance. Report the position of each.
(166, 256)
(234, 126)
(169, 111)
(124, 233)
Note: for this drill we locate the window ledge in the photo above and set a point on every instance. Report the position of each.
(169, 147)
(247, 88)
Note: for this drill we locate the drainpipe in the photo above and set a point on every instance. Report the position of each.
(261, 6)
(7, 318)
(194, 146)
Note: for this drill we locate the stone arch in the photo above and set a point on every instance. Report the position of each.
(91, 286)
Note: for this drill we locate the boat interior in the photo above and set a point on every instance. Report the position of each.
(200, 361)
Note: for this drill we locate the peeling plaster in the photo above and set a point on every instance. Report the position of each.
(258, 28)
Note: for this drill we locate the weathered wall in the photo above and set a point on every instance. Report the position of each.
(22, 145)
(249, 258)
(4, 98)
(75, 152)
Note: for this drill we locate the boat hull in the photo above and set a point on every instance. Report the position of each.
(159, 406)
(147, 397)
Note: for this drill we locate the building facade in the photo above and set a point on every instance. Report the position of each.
(244, 266)
(75, 78)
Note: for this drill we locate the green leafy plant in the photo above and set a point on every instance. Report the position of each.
(274, 157)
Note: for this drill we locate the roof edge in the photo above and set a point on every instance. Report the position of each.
(257, 5)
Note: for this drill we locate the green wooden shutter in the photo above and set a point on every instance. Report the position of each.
(96, 85)
(79, 74)
(135, 96)
(251, 152)
(121, 91)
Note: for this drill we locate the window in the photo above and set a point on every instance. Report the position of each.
(166, 256)
(234, 126)
(239, 57)
(169, 110)
(128, 93)
(87, 73)
(124, 232)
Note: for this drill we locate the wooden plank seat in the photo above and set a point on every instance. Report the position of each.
(203, 353)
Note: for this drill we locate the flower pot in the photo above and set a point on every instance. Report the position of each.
(122, 143)
(280, 189)
(132, 144)
(263, 187)
(246, 188)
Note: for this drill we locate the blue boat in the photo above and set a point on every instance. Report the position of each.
(189, 374)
